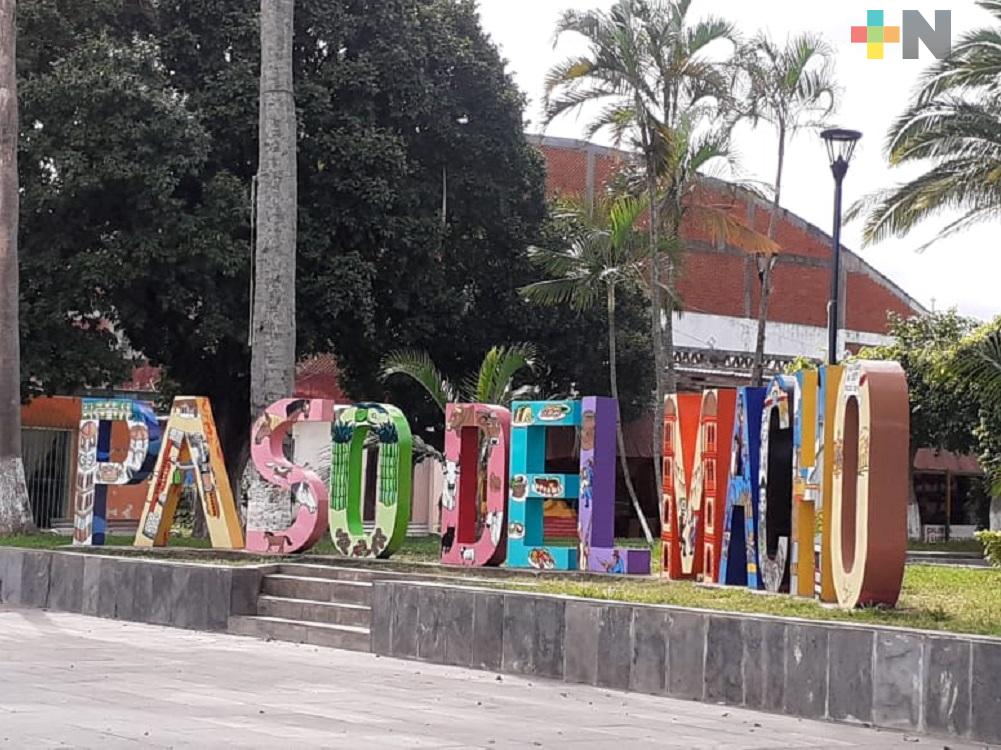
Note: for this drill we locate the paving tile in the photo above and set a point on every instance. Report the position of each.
(87, 682)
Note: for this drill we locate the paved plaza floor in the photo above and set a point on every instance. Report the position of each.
(74, 681)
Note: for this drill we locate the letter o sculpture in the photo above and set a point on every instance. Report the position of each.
(869, 508)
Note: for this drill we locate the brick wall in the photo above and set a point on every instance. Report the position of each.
(719, 280)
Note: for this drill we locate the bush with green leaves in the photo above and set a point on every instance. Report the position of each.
(992, 546)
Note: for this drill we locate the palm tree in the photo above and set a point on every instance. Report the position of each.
(607, 253)
(954, 122)
(493, 383)
(273, 330)
(15, 512)
(646, 66)
(791, 87)
(685, 154)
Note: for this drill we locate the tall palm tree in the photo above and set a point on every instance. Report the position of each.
(953, 122)
(273, 330)
(493, 383)
(685, 154)
(615, 72)
(15, 514)
(645, 67)
(792, 87)
(273, 339)
(607, 253)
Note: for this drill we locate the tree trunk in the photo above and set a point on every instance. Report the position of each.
(995, 514)
(613, 378)
(273, 344)
(667, 335)
(765, 271)
(15, 512)
(655, 308)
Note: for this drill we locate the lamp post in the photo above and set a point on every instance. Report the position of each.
(840, 148)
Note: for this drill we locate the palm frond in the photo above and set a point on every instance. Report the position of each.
(493, 383)
(707, 31)
(974, 63)
(966, 184)
(561, 291)
(947, 127)
(978, 360)
(721, 226)
(418, 366)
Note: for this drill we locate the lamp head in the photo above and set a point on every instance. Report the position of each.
(840, 147)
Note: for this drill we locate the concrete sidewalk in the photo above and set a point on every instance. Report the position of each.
(70, 680)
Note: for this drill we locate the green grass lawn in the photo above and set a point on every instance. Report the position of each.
(52, 541)
(960, 600)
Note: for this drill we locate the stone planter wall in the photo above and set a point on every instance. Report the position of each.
(898, 679)
(199, 597)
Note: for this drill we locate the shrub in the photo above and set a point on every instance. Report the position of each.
(992, 546)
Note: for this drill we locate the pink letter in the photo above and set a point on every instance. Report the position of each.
(309, 492)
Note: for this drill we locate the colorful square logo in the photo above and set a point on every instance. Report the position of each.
(875, 34)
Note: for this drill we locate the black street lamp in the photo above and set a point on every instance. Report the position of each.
(840, 148)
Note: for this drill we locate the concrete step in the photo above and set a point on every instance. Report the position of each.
(374, 573)
(331, 572)
(330, 613)
(314, 633)
(317, 589)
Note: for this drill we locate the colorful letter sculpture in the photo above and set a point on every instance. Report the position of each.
(775, 475)
(596, 503)
(191, 447)
(696, 474)
(739, 557)
(531, 484)
(682, 485)
(821, 485)
(869, 510)
(593, 486)
(718, 408)
(308, 490)
(392, 504)
(94, 470)
(474, 502)
(805, 485)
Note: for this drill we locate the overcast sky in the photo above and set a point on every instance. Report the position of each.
(959, 272)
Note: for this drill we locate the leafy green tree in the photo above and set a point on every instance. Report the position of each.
(418, 194)
(944, 410)
(790, 87)
(608, 253)
(953, 124)
(976, 362)
(493, 382)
